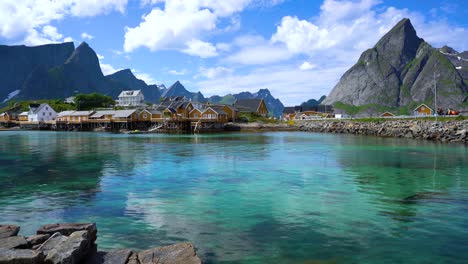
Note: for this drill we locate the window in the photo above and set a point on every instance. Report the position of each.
(195, 115)
(145, 116)
(46, 108)
(43, 113)
(50, 113)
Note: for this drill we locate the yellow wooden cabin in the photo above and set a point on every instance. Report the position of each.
(5, 117)
(256, 106)
(156, 115)
(216, 114)
(144, 116)
(125, 116)
(423, 110)
(195, 114)
(23, 117)
(64, 116)
(102, 116)
(80, 116)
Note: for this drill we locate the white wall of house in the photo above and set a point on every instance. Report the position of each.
(45, 113)
(131, 100)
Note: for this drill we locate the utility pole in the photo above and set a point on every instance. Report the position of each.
(435, 97)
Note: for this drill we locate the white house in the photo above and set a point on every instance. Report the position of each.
(131, 98)
(41, 113)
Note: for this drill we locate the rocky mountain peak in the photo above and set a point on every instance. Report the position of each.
(448, 50)
(86, 59)
(397, 75)
(400, 44)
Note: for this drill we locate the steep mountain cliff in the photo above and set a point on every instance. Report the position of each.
(397, 74)
(18, 62)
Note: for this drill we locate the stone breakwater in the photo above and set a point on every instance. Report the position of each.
(75, 243)
(442, 131)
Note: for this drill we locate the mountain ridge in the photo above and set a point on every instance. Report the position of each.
(397, 75)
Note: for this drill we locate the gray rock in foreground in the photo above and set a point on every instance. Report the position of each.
(73, 250)
(8, 230)
(20, 256)
(14, 242)
(37, 239)
(68, 228)
(51, 243)
(119, 256)
(183, 253)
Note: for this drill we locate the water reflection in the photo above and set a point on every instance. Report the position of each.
(251, 198)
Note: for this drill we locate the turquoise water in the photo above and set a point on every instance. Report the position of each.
(246, 198)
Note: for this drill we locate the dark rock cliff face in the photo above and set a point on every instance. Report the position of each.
(398, 75)
(80, 73)
(130, 82)
(18, 62)
(60, 70)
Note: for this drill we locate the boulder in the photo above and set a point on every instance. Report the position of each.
(133, 259)
(73, 250)
(51, 243)
(20, 256)
(67, 229)
(8, 230)
(14, 242)
(37, 239)
(119, 256)
(183, 253)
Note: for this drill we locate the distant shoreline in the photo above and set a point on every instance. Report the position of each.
(426, 129)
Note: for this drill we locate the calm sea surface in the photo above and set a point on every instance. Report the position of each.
(246, 198)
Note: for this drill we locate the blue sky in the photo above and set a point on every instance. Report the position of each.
(297, 49)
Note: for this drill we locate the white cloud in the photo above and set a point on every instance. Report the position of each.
(147, 78)
(51, 32)
(260, 55)
(68, 39)
(26, 21)
(306, 66)
(85, 35)
(100, 57)
(175, 72)
(159, 30)
(108, 69)
(257, 50)
(215, 72)
(83, 8)
(200, 48)
(223, 47)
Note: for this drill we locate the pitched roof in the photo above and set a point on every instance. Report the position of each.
(35, 108)
(123, 113)
(24, 114)
(99, 114)
(424, 106)
(130, 93)
(65, 113)
(218, 109)
(154, 111)
(82, 113)
(248, 105)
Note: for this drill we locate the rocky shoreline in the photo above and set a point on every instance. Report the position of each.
(442, 131)
(71, 243)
